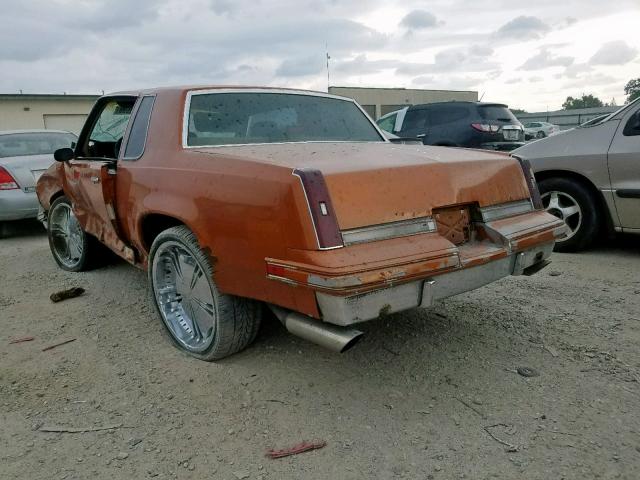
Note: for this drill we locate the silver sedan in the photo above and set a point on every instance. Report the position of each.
(24, 155)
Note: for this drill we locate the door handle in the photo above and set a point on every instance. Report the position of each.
(95, 179)
(421, 135)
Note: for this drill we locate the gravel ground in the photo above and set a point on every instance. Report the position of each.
(427, 394)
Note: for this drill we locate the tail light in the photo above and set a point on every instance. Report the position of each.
(7, 182)
(320, 208)
(485, 127)
(531, 182)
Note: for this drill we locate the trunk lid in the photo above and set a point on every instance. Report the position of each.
(378, 182)
(26, 169)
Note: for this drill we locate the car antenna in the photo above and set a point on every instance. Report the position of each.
(481, 96)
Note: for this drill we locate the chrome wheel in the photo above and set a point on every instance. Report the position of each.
(566, 208)
(184, 296)
(67, 237)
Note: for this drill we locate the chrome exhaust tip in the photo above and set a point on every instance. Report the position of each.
(335, 338)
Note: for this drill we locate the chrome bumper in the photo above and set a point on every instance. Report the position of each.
(346, 310)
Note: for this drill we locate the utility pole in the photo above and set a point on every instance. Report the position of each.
(328, 58)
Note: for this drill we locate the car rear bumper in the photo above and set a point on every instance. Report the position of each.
(18, 205)
(501, 146)
(350, 294)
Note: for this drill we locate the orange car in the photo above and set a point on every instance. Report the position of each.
(234, 197)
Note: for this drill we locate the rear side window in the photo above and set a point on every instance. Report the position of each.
(496, 112)
(441, 114)
(388, 123)
(139, 129)
(414, 119)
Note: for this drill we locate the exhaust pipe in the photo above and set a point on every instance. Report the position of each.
(333, 337)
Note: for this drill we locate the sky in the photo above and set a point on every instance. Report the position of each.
(530, 55)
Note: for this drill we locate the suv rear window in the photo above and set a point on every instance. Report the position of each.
(23, 144)
(496, 112)
(440, 114)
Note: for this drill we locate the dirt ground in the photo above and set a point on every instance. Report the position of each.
(428, 394)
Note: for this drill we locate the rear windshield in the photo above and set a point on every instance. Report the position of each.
(22, 144)
(241, 118)
(497, 112)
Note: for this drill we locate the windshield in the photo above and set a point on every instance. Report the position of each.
(605, 118)
(23, 144)
(242, 118)
(497, 112)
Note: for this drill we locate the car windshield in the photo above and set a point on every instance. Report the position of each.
(23, 144)
(497, 112)
(606, 118)
(246, 118)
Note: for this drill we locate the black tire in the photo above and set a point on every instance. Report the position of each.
(86, 260)
(541, 134)
(590, 223)
(236, 320)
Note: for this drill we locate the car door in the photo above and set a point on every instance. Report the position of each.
(624, 169)
(415, 124)
(91, 177)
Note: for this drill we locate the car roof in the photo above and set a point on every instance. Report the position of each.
(461, 102)
(190, 88)
(33, 130)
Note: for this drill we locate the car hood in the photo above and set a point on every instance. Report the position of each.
(26, 169)
(372, 183)
(579, 142)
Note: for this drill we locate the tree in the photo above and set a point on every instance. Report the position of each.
(517, 111)
(632, 89)
(586, 101)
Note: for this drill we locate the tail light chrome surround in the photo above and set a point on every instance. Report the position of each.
(385, 231)
(503, 210)
(530, 178)
(325, 223)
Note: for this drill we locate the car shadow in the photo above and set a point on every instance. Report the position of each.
(22, 228)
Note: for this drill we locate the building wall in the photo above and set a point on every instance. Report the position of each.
(53, 112)
(380, 101)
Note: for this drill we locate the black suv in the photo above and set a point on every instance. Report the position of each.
(457, 124)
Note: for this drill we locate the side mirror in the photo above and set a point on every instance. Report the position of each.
(63, 154)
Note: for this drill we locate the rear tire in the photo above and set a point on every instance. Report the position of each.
(199, 319)
(572, 202)
(72, 248)
(541, 134)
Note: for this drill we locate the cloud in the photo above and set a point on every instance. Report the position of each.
(418, 20)
(545, 59)
(523, 28)
(301, 66)
(360, 65)
(475, 58)
(614, 53)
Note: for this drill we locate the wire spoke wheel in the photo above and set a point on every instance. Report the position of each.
(184, 296)
(66, 235)
(566, 208)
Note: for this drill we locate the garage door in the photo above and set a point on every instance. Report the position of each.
(70, 122)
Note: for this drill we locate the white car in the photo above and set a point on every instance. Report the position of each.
(540, 129)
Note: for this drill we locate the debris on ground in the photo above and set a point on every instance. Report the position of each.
(55, 345)
(296, 449)
(510, 447)
(66, 294)
(527, 372)
(21, 340)
(58, 429)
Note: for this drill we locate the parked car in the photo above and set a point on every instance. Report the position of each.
(234, 196)
(490, 126)
(590, 177)
(24, 156)
(540, 129)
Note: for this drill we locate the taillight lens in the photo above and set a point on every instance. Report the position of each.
(527, 171)
(7, 182)
(320, 208)
(485, 127)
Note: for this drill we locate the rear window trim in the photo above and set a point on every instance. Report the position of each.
(192, 93)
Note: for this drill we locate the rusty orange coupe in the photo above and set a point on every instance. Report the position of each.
(232, 198)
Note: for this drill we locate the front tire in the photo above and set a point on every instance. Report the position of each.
(72, 248)
(573, 203)
(541, 134)
(199, 319)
